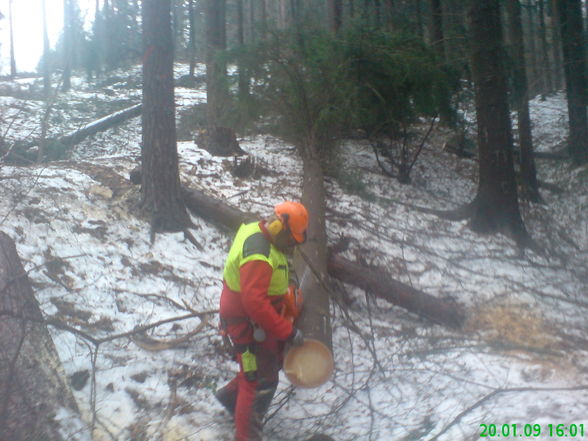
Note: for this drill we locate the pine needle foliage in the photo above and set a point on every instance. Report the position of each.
(397, 78)
(299, 86)
(311, 87)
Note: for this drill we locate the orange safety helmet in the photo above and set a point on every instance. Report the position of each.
(295, 217)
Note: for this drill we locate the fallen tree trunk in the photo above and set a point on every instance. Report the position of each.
(100, 125)
(21, 150)
(440, 311)
(36, 402)
(215, 210)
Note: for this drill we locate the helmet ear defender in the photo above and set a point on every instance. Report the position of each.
(276, 226)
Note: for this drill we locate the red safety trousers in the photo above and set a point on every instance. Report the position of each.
(248, 400)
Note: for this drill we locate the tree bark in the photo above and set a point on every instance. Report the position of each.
(253, 21)
(243, 76)
(215, 69)
(192, 40)
(36, 402)
(390, 22)
(46, 69)
(558, 71)
(546, 69)
(67, 44)
(263, 26)
(217, 94)
(334, 13)
(570, 17)
(520, 92)
(376, 282)
(438, 43)
(380, 284)
(160, 184)
(495, 208)
(77, 136)
(377, 13)
(436, 26)
(100, 125)
(12, 56)
(419, 20)
(533, 70)
(310, 262)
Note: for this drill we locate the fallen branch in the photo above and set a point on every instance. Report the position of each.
(142, 340)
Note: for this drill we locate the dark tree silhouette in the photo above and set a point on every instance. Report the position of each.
(529, 184)
(574, 54)
(12, 56)
(160, 182)
(495, 208)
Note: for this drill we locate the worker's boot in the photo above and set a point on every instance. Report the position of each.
(227, 396)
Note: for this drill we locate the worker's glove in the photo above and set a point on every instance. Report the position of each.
(296, 338)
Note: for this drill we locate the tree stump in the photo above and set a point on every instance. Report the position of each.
(219, 141)
(36, 402)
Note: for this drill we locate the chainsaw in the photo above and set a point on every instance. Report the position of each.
(292, 303)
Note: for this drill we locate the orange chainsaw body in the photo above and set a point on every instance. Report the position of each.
(292, 303)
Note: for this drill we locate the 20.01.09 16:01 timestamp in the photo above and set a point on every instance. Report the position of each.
(532, 430)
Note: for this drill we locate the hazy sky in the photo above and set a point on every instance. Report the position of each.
(28, 30)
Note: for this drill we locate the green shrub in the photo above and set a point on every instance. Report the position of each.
(309, 86)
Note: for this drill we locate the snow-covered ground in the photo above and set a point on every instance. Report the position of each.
(520, 359)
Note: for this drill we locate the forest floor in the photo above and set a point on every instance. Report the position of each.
(521, 358)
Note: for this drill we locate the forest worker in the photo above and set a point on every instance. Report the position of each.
(255, 280)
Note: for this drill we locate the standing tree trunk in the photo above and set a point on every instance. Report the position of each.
(495, 207)
(334, 12)
(533, 71)
(586, 17)
(377, 14)
(67, 43)
(192, 40)
(570, 17)
(218, 140)
(352, 9)
(558, 62)
(36, 402)
(46, 71)
(546, 70)
(437, 40)
(252, 20)
(390, 22)
(243, 76)
(215, 69)
(419, 20)
(529, 185)
(456, 35)
(160, 183)
(438, 43)
(263, 26)
(283, 14)
(12, 57)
